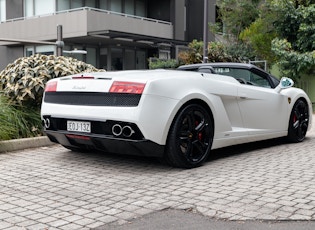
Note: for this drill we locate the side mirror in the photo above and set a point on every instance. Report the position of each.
(284, 84)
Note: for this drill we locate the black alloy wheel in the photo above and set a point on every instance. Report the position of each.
(190, 137)
(298, 123)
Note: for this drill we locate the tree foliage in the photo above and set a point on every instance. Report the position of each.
(217, 52)
(295, 45)
(261, 32)
(193, 55)
(236, 15)
(280, 31)
(162, 64)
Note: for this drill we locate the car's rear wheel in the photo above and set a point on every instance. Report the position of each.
(298, 123)
(190, 137)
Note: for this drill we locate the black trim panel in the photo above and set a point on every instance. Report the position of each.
(107, 144)
(93, 99)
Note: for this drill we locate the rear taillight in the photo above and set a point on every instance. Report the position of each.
(51, 86)
(127, 87)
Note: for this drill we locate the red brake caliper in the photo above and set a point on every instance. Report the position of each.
(200, 133)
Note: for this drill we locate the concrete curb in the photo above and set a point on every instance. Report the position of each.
(24, 143)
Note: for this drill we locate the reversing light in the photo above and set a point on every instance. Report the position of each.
(127, 87)
(51, 86)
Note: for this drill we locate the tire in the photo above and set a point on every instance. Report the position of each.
(298, 123)
(190, 137)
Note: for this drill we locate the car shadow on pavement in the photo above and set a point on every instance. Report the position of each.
(245, 148)
(151, 162)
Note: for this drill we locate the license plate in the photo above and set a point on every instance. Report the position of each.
(79, 126)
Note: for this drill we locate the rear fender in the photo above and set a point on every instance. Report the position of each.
(220, 117)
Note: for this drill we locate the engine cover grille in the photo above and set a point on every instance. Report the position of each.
(93, 99)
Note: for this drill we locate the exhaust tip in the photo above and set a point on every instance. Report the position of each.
(127, 131)
(46, 123)
(117, 130)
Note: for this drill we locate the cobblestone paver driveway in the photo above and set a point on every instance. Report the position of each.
(53, 188)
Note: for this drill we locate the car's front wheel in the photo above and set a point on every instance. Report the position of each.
(298, 123)
(190, 137)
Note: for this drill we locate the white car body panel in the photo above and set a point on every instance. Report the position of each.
(241, 113)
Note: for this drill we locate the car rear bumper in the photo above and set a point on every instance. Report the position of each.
(106, 144)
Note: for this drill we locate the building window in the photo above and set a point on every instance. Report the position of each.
(29, 51)
(90, 3)
(72, 4)
(140, 8)
(117, 59)
(2, 11)
(104, 4)
(28, 8)
(164, 54)
(63, 5)
(44, 49)
(38, 7)
(116, 6)
(91, 56)
(130, 59)
(77, 4)
(129, 7)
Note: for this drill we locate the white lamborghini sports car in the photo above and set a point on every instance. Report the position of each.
(173, 114)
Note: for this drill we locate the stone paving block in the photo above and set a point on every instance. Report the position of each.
(26, 224)
(299, 217)
(27, 213)
(5, 215)
(39, 226)
(72, 226)
(93, 215)
(85, 221)
(37, 216)
(305, 212)
(5, 225)
(116, 211)
(58, 223)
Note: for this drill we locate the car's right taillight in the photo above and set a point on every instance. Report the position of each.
(51, 86)
(127, 87)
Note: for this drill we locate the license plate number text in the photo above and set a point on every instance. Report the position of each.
(79, 126)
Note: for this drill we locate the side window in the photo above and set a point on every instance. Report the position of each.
(244, 76)
(259, 80)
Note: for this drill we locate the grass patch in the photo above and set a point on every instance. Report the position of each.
(18, 121)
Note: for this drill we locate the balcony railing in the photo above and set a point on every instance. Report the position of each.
(90, 9)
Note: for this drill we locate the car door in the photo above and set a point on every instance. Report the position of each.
(263, 109)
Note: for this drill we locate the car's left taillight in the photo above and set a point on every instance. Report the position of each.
(127, 87)
(51, 86)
